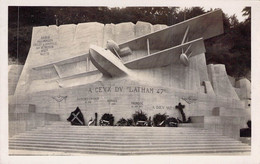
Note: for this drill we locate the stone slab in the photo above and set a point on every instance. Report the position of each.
(221, 111)
(21, 108)
(109, 33)
(124, 32)
(159, 27)
(14, 72)
(220, 82)
(245, 88)
(143, 28)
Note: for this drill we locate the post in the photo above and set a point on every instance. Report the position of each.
(148, 47)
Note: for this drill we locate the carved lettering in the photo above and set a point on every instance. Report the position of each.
(112, 101)
(44, 44)
(137, 104)
(163, 107)
(88, 100)
(118, 89)
(132, 89)
(140, 89)
(102, 89)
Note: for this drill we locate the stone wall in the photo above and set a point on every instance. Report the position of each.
(123, 97)
(14, 72)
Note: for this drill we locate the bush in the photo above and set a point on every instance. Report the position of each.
(130, 122)
(159, 119)
(107, 117)
(122, 122)
(139, 116)
(171, 122)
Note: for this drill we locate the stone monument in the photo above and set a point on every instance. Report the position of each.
(126, 67)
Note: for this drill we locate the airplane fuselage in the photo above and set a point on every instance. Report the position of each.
(106, 62)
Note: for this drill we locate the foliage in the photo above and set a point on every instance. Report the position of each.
(139, 116)
(171, 122)
(159, 119)
(122, 122)
(233, 48)
(130, 122)
(108, 117)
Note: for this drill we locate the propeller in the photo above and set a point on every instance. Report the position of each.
(184, 57)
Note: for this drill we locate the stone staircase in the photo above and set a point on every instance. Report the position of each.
(59, 138)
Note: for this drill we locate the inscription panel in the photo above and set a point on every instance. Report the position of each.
(129, 89)
(44, 44)
(121, 101)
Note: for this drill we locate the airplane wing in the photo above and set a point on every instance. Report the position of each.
(84, 74)
(167, 56)
(62, 62)
(204, 26)
(56, 66)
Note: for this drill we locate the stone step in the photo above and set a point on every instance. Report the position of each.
(137, 130)
(142, 137)
(146, 152)
(123, 134)
(124, 144)
(130, 140)
(66, 123)
(246, 140)
(124, 140)
(85, 131)
(125, 129)
(128, 148)
(134, 141)
(128, 132)
(194, 125)
(62, 124)
(118, 135)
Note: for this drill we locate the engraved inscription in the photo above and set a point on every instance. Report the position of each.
(132, 89)
(163, 107)
(44, 44)
(88, 100)
(112, 101)
(137, 104)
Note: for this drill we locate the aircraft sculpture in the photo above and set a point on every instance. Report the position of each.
(173, 45)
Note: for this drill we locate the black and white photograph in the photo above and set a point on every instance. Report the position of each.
(129, 81)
